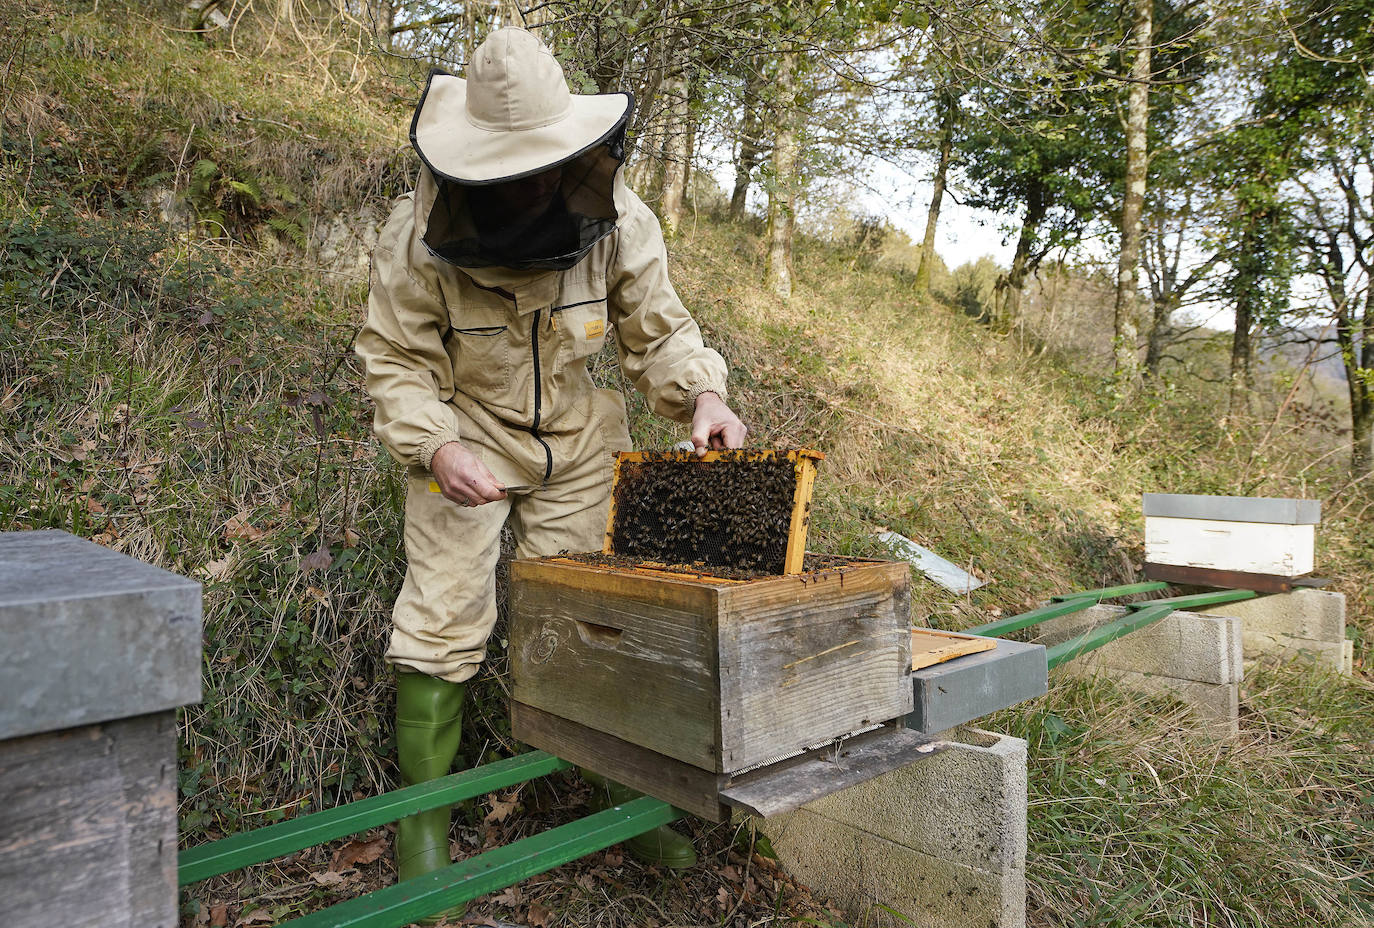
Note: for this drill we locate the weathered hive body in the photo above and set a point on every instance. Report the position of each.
(716, 674)
(1246, 542)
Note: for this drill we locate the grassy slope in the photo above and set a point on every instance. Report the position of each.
(191, 401)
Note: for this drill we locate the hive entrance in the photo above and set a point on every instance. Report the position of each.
(741, 510)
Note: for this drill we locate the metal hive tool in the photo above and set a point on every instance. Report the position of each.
(741, 510)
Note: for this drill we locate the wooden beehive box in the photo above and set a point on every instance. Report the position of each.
(675, 682)
(1228, 540)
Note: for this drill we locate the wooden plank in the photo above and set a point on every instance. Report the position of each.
(680, 591)
(812, 657)
(801, 516)
(1251, 547)
(652, 569)
(689, 788)
(931, 646)
(790, 784)
(89, 826)
(628, 656)
(1222, 579)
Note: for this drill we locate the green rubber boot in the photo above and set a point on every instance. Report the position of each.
(429, 723)
(661, 846)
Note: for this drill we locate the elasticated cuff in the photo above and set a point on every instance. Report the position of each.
(696, 389)
(425, 455)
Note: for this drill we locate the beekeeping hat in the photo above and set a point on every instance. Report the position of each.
(511, 119)
(513, 116)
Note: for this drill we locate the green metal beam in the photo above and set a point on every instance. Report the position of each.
(1108, 592)
(1194, 600)
(1014, 623)
(485, 873)
(254, 847)
(1103, 634)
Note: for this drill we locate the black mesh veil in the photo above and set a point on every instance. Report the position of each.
(545, 220)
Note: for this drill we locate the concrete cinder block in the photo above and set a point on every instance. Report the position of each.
(863, 872)
(1196, 658)
(1328, 654)
(942, 841)
(1217, 706)
(1314, 614)
(1304, 624)
(1182, 645)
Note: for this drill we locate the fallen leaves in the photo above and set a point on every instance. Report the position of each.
(510, 897)
(319, 559)
(239, 528)
(218, 569)
(329, 878)
(359, 852)
(501, 808)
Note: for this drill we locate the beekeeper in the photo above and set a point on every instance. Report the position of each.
(518, 254)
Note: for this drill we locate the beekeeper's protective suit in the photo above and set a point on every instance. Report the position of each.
(517, 255)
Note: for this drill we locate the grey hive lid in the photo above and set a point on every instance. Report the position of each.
(1273, 510)
(90, 634)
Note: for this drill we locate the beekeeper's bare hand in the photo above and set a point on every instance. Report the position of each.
(462, 477)
(714, 426)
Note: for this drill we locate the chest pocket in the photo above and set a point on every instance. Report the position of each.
(479, 343)
(581, 324)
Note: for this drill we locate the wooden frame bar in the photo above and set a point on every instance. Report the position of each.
(804, 460)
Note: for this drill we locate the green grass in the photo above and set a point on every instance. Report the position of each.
(189, 397)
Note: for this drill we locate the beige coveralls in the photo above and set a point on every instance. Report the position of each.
(496, 359)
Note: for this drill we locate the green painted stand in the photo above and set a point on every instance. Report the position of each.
(1142, 614)
(467, 879)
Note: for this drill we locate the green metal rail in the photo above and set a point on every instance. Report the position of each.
(476, 876)
(1142, 614)
(485, 873)
(1062, 605)
(262, 844)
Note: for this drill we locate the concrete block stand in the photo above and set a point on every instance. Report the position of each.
(941, 841)
(1195, 657)
(99, 650)
(1304, 624)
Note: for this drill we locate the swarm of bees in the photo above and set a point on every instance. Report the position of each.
(734, 512)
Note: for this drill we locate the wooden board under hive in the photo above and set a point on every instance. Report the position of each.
(674, 682)
(741, 510)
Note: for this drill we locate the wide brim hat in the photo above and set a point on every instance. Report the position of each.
(513, 116)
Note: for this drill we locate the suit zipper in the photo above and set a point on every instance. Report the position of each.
(538, 377)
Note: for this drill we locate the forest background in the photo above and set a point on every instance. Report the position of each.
(187, 196)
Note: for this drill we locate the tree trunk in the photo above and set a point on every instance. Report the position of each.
(1358, 360)
(751, 129)
(1008, 311)
(1127, 362)
(1238, 400)
(689, 147)
(782, 195)
(949, 114)
(1163, 316)
(671, 207)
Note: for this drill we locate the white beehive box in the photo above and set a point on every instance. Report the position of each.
(1254, 535)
